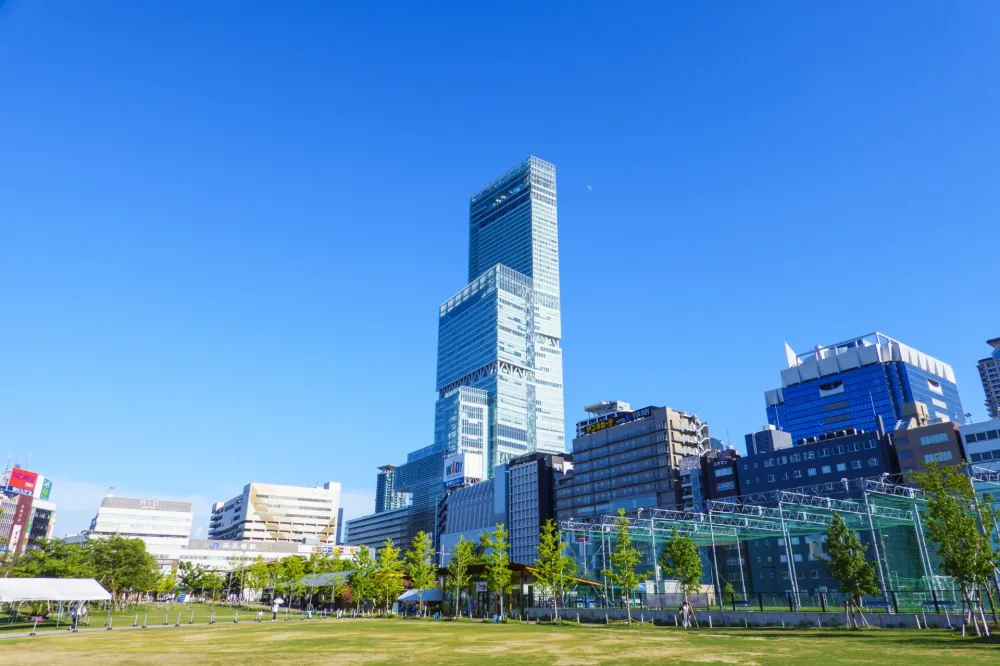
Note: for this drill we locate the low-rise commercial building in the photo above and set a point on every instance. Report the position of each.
(921, 440)
(982, 443)
(27, 513)
(375, 529)
(271, 512)
(163, 525)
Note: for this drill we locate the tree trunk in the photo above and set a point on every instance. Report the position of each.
(972, 611)
(555, 606)
(628, 606)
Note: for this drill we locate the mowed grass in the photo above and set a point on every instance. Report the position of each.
(410, 641)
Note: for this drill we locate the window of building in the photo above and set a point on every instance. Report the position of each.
(902, 440)
(770, 478)
(826, 469)
(811, 471)
(873, 462)
(905, 455)
(725, 485)
(724, 471)
(797, 557)
(808, 455)
(939, 438)
(855, 464)
(797, 474)
(870, 444)
(814, 574)
(943, 456)
(838, 450)
(769, 462)
(824, 453)
(782, 460)
(841, 467)
(795, 457)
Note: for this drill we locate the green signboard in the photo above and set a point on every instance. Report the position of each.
(46, 490)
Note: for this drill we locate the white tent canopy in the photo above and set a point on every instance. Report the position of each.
(51, 589)
(413, 596)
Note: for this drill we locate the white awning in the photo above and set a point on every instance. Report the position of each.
(413, 596)
(51, 589)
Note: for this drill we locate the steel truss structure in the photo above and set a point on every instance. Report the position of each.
(871, 507)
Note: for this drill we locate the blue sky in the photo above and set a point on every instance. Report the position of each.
(225, 227)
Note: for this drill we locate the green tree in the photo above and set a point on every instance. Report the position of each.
(167, 582)
(213, 583)
(420, 565)
(498, 573)
(729, 593)
(389, 577)
(960, 525)
(191, 576)
(680, 560)
(290, 570)
(362, 578)
(53, 558)
(554, 566)
(123, 567)
(850, 567)
(462, 556)
(624, 559)
(258, 577)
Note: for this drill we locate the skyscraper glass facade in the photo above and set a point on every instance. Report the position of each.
(461, 421)
(851, 384)
(501, 334)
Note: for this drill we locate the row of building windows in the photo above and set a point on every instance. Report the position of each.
(825, 469)
(982, 436)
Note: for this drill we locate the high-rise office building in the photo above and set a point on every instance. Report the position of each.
(625, 459)
(852, 383)
(387, 497)
(501, 334)
(989, 372)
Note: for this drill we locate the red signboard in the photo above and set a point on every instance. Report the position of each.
(22, 482)
(19, 531)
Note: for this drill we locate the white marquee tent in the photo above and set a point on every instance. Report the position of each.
(13, 590)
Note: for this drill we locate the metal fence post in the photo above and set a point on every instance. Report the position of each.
(937, 606)
(895, 602)
(760, 600)
(822, 601)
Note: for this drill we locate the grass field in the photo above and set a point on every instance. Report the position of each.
(412, 641)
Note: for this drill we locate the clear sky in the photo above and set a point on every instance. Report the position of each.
(226, 227)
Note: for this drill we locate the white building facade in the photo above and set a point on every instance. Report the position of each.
(982, 443)
(270, 512)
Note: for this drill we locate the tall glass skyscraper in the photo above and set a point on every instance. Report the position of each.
(852, 383)
(501, 334)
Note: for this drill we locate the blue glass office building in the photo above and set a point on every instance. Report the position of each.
(851, 383)
(501, 334)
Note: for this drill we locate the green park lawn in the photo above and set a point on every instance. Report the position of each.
(376, 641)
